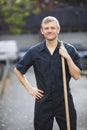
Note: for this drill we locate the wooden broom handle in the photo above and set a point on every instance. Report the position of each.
(65, 92)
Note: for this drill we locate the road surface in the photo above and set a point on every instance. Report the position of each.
(17, 106)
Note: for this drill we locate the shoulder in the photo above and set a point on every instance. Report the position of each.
(70, 47)
(71, 50)
(37, 47)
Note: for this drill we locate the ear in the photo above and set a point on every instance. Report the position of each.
(41, 30)
(58, 30)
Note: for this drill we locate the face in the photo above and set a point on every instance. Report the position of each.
(50, 30)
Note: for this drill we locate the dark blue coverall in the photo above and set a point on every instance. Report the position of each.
(48, 73)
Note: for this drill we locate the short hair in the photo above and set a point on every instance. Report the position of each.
(50, 19)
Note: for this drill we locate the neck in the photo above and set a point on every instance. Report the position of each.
(52, 43)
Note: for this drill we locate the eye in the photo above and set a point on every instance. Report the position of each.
(52, 27)
(46, 28)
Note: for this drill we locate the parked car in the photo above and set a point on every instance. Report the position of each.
(82, 50)
(8, 51)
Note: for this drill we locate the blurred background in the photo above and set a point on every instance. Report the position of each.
(20, 29)
(19, 16)
(20, 22)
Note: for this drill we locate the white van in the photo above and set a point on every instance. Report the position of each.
(8, 50)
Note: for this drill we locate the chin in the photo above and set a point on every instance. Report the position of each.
(51, 39)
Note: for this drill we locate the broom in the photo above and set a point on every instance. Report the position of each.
(65, 92)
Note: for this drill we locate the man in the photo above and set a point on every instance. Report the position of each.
(45, 57)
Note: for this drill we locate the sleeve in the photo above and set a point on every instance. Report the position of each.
(25, 63)
(76, 58)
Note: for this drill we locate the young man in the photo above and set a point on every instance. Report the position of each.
(45, 57)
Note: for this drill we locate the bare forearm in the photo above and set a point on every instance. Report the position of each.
(37, 93)
(73, 69)
(22, 79)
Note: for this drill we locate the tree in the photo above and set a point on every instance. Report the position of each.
(13, 12)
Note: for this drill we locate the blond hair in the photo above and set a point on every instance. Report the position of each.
(50, 19)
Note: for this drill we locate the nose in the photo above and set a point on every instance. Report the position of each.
(49, 30)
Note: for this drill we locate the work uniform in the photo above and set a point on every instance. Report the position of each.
(48, 73)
